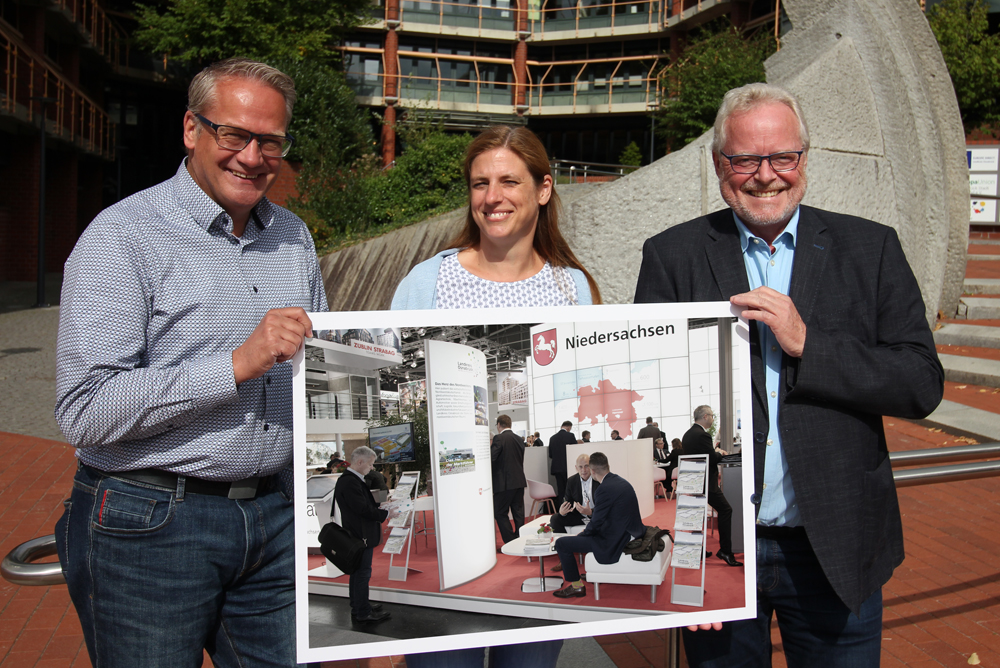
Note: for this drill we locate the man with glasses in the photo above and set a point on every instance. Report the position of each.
(178, 306)
(697, 441)
(838, 338)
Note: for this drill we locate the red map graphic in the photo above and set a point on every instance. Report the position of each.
(608, 400)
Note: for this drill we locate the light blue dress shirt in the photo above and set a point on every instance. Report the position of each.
(777, 506)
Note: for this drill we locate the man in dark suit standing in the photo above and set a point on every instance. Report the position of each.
(838, 338)
(360, 515)
(615, 436)
(614, 522)
(557, 453)
(650, 430)
(578, 504)
(507, 458)
(697, 441)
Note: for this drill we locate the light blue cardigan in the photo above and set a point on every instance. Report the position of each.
(419, 289)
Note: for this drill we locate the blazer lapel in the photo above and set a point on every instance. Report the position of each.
(812, 248)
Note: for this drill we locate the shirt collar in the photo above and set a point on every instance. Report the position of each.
(355, 473)
(791, 229)
(205, 211)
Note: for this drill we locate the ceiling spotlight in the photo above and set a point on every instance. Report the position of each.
(421, 331)
(413, 365)
(420, 353)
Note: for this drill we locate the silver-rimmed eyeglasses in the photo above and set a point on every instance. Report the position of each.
(236, 139)
(785, 161)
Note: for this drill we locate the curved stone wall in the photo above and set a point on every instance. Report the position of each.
(887, 144)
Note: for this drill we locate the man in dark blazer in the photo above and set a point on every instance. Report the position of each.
(507, 459)
(557, 453)
(578, 504)
(697, 441)
(614, 522)
(838, 339)
(360, 515)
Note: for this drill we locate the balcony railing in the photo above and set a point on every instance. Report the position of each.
(471, 15)
(590, 88)
(605, 82)
(561, 16)
(104, 35)
(551, 16)
(73, 117)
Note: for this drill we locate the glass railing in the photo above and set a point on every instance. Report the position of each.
(457, 14)
(556, 17)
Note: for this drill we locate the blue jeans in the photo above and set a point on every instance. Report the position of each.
(817, 629)
(357, 586)
(158, 575)
(543, 654)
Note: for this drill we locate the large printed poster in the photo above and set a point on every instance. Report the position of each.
(605, 367)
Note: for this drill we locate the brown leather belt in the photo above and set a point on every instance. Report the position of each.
(248, 488)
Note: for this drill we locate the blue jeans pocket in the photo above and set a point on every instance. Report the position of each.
(136, 511)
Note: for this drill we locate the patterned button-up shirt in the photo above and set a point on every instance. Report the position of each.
(156, 296)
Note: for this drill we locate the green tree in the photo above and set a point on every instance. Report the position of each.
(715, 61)
(972, 56)
(195, 31)
(631, 156)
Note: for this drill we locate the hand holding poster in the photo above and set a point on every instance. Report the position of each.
(660, 364)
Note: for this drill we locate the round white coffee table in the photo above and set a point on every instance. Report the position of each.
(515, 548)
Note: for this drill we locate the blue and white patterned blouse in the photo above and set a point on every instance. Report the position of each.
(457, 287)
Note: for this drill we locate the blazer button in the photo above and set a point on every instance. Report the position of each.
(755, 498)
(759, 437)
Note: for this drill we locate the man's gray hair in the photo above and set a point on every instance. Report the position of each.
(201, 92)
(701, 412)
(362, 453)
(745, 98)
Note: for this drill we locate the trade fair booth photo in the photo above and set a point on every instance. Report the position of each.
(424, 389)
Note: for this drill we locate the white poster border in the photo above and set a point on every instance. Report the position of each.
(577, 314)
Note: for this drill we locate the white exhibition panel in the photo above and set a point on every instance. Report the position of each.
(669, 374)
(632, 460)
(463, 496)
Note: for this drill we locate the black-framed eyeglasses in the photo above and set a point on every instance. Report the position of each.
(236, 139)
(785, 161)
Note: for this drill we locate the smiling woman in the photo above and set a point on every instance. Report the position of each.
(510, 252)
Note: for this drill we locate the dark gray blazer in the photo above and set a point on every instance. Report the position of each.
(507, 459)
(868, 353)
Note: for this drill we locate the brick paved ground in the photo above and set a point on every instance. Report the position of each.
(942, 604)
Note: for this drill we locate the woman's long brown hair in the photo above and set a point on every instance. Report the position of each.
(548, 242)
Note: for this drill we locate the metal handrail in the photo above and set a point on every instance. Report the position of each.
(957, 453)
(18, 568)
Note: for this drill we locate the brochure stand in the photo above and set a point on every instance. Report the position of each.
(401, 535)
(689, 528)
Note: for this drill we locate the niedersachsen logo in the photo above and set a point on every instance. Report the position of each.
(637, 332)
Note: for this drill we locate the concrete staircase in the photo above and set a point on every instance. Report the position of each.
(969, 345)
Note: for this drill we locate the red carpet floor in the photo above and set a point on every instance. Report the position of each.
(724, 587)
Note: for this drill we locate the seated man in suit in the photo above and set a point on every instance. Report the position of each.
(614, 522)
(578, 504)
